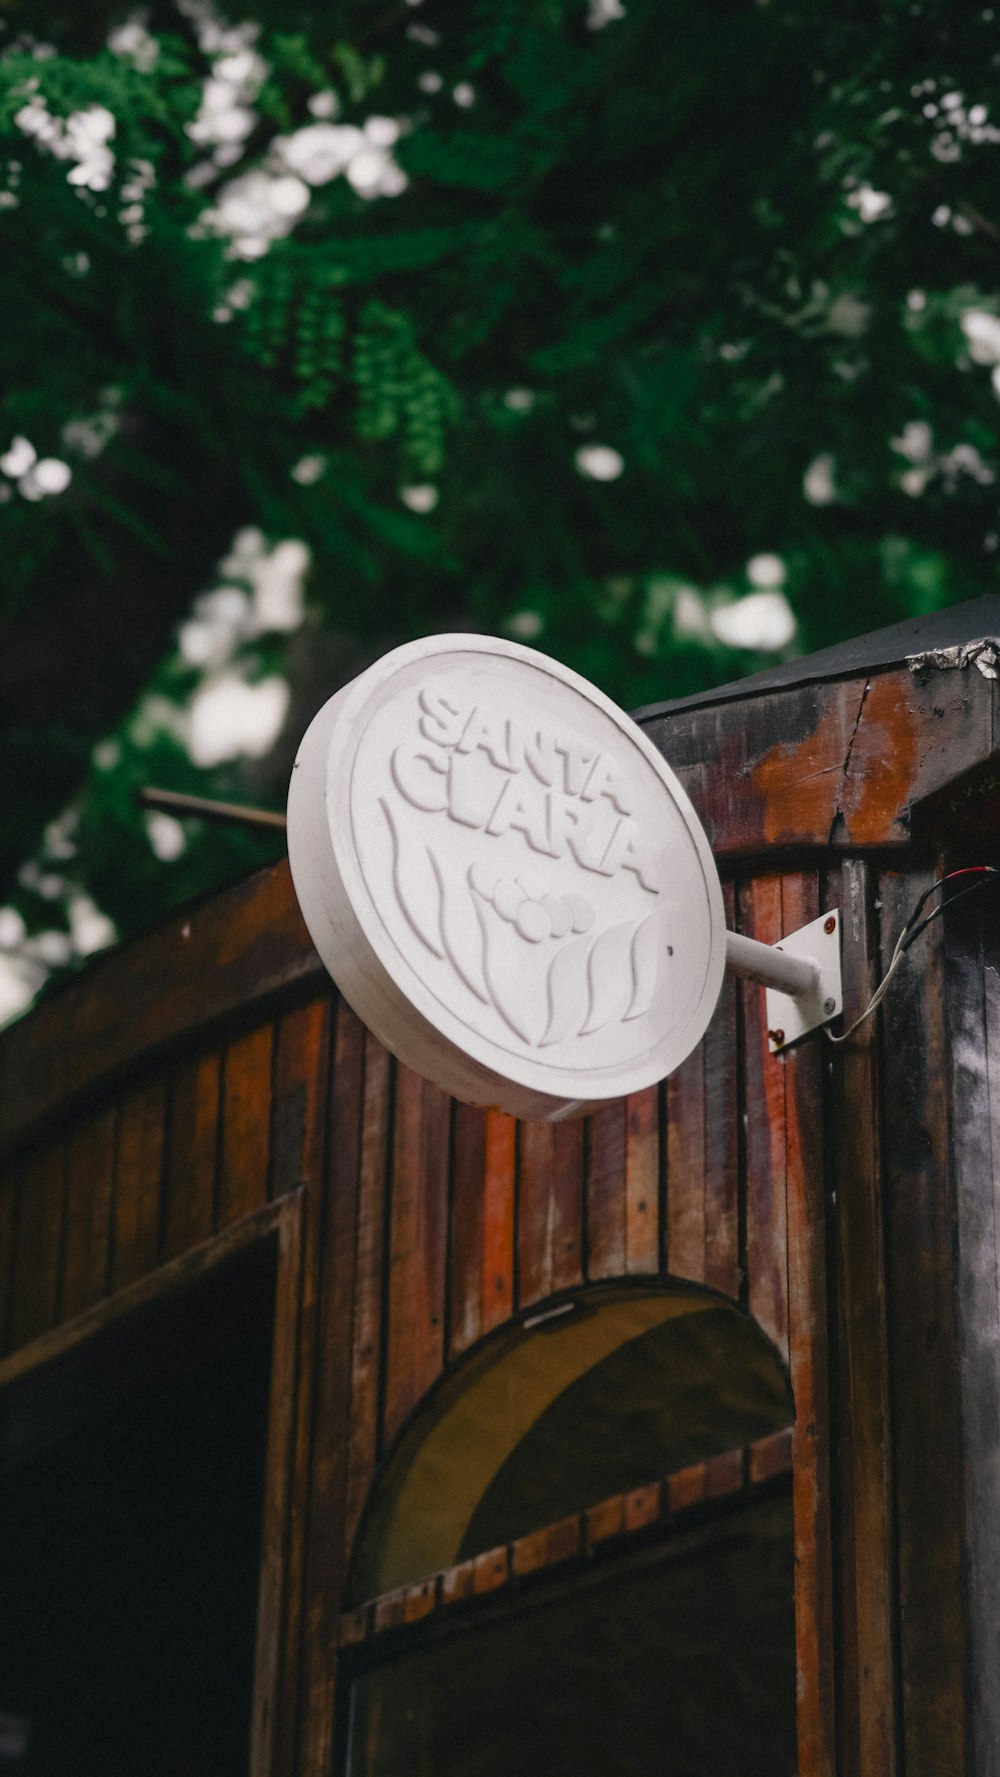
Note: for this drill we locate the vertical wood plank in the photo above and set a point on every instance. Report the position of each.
(642, 1182)
(351, 1111)
(138, 1182)
(867, 1578)
(246, 1125)
(974, 1081)
(549, 1209)
(605, 1197)
(189, 1187)
(271, 1593)
(722, 1116)
(766, 1228)
(481, 1264)
(298, 1154)
(809, 1367)
(499, 1186)
(89, 1184)
(926, 1412)
(298, 1114)
(34, 1285)
(465, 1266)
(417, 1240)
(686, 1169)
(369, 1285)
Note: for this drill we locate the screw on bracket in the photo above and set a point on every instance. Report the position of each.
(829, 1006)
(830, 925)
(777, 1037)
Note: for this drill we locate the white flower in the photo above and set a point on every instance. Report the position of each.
(320, 151)
(604, 12)
(600, 462)
(982, 336)
(382, 132)
(166, 835)
(915, 442)
(18, 458)
(51, 475)
(89, 928)
(324, 104)
(309, 469)
(871, 205)
(766, 571)
(420, 499)
(229, 718)
(134, 43)
(818, 484)
(762, 621)
(526, 625)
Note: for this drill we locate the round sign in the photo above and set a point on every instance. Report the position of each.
(504, 878)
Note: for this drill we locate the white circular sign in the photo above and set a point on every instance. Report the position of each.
(504, 878)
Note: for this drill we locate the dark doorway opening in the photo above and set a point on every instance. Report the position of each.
(131, 1489)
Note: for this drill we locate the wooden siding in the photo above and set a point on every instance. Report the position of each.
(161, 1102)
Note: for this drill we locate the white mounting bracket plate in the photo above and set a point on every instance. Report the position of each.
(791, 1016)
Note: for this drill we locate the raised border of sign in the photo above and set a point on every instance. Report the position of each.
(371, 971)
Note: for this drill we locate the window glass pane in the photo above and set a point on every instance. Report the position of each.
(681, 1665)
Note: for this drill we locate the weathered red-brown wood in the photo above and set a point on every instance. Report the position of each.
(138, 1193)
(868, 1703)
(499, 1188)
(542, 1548)
(809, 1367)
(266, 1705)
(972, 948)
(417, 1246)
(246, 1126)
(298, 1153)
(189, 1185)
(923, 1339)
(481, 1267)
(465, 1247)
(210, 962)
(766, 1224)
(686, 1169)
(721, 1135)
(87, 1236)
(369, 1287)
(330, 1452)
(548, 1209)
(642, 1182)
(843, 762)
(605, 1191)
(34, 1283)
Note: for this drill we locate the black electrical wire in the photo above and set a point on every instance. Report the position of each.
(912, 931)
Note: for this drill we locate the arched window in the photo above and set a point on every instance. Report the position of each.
(579, 1558)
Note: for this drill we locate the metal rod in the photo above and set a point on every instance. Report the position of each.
(770, 966)
(178, 802)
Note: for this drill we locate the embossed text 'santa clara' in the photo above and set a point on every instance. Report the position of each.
(504, 877)
(494, 774)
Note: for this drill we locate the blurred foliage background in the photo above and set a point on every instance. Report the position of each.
(665, 338)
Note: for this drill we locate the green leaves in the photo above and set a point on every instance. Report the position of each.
(754, 264)
(399, 391)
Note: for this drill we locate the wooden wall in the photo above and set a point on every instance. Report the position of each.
(163, 1101)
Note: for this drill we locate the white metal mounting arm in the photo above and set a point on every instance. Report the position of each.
(801, 974)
